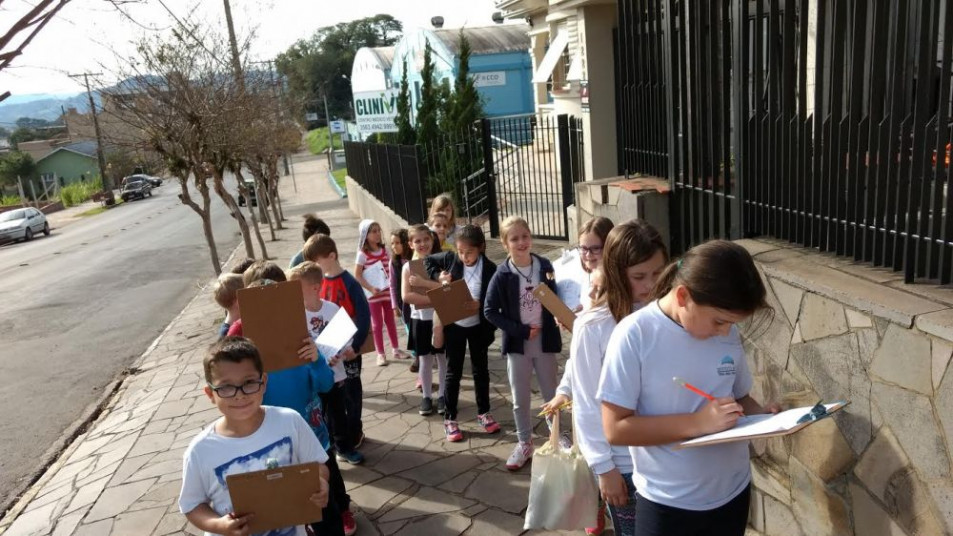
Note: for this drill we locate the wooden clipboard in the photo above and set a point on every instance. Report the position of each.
(449, 301)
(418, 269)
(273, 318)
(783, 429)
(279, 497)
(554, 305)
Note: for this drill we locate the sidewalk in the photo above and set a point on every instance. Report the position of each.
(122, 476)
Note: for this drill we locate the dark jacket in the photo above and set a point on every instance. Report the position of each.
(502, 308)
(449, 262)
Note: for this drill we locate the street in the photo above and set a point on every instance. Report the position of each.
(82, 304)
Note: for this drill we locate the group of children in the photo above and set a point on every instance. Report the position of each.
(644, 320)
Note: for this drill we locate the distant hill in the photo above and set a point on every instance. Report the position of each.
(47, 107)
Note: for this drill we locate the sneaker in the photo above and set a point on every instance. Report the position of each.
(415, 365)
(400, 354)
(354, 457)
(600, 522)
(521, 454)
(360, 441)
(350, 524)
(488, 423)
(441, 405)
(381, 360)
(565, 441)
(454, 435)
(426, 406)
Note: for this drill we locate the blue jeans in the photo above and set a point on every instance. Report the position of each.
(623, 517)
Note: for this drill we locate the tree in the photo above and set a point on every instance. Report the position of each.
(429, 106)
(16, 164)
(465, 105)
(24, 29)
(406, 134)
(316, 67)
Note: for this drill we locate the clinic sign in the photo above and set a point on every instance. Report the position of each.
(375, 111)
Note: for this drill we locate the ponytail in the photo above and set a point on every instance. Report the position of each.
(718, 274)
(666, 281)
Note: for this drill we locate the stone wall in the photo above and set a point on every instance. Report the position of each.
(841, 330)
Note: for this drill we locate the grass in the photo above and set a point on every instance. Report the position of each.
(10, 200)
(93, 212)
(79, 192)
(317, 140)
(339, 177)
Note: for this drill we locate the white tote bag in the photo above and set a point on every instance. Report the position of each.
(562, 494)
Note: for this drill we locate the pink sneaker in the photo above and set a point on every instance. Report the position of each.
(454, 435)
(488, 423)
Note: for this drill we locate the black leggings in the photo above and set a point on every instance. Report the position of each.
(456, 339)
(331, 523)
(731, 519)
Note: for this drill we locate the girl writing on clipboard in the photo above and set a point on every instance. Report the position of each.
(687, 331)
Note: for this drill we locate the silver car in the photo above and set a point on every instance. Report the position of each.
(22, 224)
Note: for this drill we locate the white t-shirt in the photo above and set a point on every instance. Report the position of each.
(473, 277)
(316, 322)
(415, 313)
(283, 438)
(646, 350)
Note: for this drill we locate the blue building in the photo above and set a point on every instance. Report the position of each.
(500, 65)
(499, 62)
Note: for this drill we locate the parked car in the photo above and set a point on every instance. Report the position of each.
(135, 189)
(155, 182)
(250, 186)
(22, 224)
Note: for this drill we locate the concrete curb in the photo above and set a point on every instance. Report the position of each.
(337, 188)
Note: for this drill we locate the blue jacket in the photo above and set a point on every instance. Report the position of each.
(298, 388)
(502, 308)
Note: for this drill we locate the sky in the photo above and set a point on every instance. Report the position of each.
(89, 35)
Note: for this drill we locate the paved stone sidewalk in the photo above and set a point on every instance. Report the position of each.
(122, 476)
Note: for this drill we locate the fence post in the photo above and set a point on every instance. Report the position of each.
(423, 173)
(739, 106)
(489, 172)
(565, 166)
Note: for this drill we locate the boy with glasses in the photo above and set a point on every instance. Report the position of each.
(248, 437)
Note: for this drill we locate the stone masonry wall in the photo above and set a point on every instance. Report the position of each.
(843, 331)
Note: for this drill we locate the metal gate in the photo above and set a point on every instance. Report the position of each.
(823, 122)
(530, 166)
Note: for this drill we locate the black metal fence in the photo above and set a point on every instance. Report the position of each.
(521, 165)
(825, 123)
(394, 174)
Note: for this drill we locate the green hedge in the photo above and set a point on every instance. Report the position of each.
(317, 140)
(79, 192)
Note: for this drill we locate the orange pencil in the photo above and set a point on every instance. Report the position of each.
(692, 388)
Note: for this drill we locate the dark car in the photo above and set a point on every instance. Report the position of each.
(250, 186)
(135, 189)
(155, 182)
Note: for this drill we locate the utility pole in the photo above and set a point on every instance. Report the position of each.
(107, 187)
(233, 43)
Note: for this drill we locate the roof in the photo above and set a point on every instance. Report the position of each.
(85, 148)
(385, 57)
(487, 39)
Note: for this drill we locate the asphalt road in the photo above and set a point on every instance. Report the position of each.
(79, 306)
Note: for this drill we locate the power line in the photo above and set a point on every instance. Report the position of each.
(188, 30)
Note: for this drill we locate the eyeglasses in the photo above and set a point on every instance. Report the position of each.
(229, 391)
(594, 250)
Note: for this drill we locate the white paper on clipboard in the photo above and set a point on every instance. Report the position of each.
(375, 277)
(337, 335)
(569, 279)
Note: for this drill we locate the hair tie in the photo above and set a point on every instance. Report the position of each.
(678, 265)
